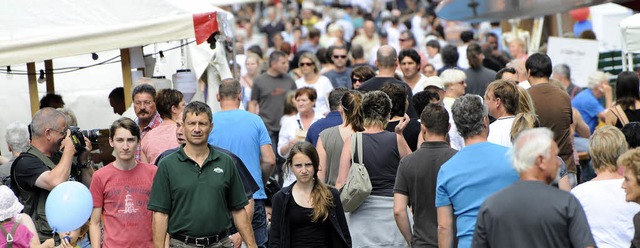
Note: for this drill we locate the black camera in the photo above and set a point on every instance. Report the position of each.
(77, 136)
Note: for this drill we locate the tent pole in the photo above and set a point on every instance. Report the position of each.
(48, 70)
(33, 87)
(126, 75)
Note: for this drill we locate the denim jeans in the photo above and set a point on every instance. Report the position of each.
(259, 224)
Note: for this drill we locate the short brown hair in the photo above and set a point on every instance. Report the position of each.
(127, 124)
(166, 99)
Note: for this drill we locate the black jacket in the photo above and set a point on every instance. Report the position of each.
(279, 234)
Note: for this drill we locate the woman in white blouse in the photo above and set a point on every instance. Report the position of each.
(310, 68)
(294, 130)
(603, 200)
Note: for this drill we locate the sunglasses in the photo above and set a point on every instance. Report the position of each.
(340, 56)
(306, 64)
(354, 80)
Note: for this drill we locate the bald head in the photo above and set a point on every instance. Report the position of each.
(387, 57)
(369, 28)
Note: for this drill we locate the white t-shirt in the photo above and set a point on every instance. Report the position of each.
(323, 87)
(419, 87)
(610, 217)
(500, 131)
(291, 128)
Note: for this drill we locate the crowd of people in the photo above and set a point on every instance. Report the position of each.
(466, 142)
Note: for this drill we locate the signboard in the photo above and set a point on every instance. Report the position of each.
(579, 54)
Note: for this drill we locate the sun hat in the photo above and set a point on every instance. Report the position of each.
(9, 204)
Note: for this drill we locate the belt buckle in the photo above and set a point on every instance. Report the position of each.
(204, 240)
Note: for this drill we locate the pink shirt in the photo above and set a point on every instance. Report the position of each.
(156, 121)
(158, 140)
(21, 237)
(123, 197)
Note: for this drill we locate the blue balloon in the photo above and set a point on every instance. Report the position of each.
(68, 206)
(579, 27)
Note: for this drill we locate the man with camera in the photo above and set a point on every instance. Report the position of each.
(47, 163)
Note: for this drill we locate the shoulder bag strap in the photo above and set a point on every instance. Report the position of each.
(617, 110)
(354, 139)
(359, 138)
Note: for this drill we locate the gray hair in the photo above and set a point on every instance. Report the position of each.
(70, 117)
(468, 115)
(595, 78)
(452, 76)
(562, 69)
(46, 118)
(17, 137)
(530, 144)
(144, 88)
(376, 108)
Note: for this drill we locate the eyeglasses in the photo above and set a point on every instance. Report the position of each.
(340, 56)
(63, 132)
(306, 64)
(354, 80)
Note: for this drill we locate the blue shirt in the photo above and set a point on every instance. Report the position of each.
(589, 107)
(468, 178)
(242, 133)
(331, 120)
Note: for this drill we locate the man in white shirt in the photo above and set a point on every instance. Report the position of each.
(501, 99)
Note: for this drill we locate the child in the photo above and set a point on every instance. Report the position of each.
(16, 230)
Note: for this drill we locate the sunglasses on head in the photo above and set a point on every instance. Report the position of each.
(340, 56)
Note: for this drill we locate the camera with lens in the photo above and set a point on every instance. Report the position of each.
(77, 136)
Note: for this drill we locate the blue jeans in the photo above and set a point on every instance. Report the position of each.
(258, 223)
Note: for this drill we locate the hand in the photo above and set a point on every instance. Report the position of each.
(402, 124)
(64, 244)
(88, 145)
(67, 143)
(605, 88)
(236, 239)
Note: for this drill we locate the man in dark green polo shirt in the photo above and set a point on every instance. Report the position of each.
(196, 188)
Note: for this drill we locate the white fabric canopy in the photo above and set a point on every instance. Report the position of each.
(37, 30)
(630, 28)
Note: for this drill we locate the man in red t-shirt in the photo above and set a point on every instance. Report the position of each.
(121, 191)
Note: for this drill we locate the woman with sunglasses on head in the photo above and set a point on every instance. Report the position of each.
(307, 213)
(310, 67)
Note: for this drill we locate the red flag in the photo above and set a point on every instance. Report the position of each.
(204, 25)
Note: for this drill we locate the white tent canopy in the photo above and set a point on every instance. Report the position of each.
(630, 28)
(37, 30)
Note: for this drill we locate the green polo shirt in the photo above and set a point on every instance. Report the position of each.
(197, 199)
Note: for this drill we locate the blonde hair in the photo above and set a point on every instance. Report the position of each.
(605, 146)
(521, 122)
(525, 103)
(631, 161)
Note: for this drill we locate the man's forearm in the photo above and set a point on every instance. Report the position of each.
(402, 220)
(243, 225)
(160, 223)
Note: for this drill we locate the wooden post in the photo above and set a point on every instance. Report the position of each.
(48, 71)
(33, 87)
(125, 59)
